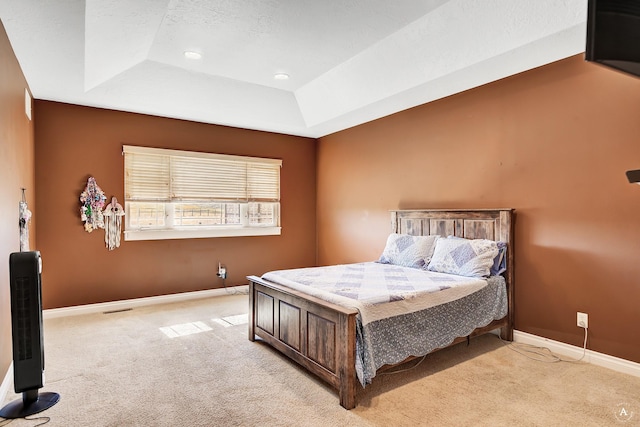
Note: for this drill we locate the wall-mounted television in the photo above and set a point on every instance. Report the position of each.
(613, 34)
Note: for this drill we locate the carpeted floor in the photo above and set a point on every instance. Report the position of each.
(183, 364)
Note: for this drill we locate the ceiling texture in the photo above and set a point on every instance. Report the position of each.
(348, 61)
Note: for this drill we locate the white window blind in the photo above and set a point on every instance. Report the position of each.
(153, 174)
(147, 177)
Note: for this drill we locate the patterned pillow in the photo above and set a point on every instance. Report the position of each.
(408, 251)
(500, 261)
(463, 257)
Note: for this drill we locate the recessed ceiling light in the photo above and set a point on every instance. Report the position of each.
(190, 54)
(281, 76)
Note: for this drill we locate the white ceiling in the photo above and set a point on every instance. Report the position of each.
(349, 61)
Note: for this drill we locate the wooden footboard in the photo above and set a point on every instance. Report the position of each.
(318, 335)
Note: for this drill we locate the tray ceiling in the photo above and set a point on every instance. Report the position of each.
(348, 61)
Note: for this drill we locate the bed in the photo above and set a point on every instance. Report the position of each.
(330, 336)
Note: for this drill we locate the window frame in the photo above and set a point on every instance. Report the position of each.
(271, 195)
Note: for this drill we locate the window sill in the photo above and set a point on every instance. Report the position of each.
(197, 234)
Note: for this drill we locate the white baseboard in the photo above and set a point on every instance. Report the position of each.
(139, 302)
(6, 384)
(593, 357)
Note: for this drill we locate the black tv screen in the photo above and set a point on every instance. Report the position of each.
(613, 34)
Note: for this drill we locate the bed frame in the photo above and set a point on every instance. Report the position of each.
(321, 336)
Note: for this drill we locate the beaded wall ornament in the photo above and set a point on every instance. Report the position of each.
(25, 217)
(93, 200)
(113, 214)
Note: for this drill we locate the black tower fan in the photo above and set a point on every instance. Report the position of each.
(26, 329)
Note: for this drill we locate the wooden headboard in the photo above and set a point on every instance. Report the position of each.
(492, 224)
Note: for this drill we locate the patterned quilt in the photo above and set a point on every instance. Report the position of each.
(402, 311)
(366, 286)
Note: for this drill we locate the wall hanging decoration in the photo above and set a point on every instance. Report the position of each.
(113, 214)
(92, 199)
(25, 217)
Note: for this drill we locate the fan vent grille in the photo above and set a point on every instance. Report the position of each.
(23, 301)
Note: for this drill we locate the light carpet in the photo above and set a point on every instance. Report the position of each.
(125, 369)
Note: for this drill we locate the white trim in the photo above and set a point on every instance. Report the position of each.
(150, 234)
(139, 302)
(593, 357)
(6, 384)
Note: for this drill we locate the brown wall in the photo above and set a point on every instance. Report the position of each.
(16, 172)
(553, 143)
(74, 142)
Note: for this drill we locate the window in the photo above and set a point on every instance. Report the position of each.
(172, 194)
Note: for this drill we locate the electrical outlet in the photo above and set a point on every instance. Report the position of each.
(583, 320)
(222, 271)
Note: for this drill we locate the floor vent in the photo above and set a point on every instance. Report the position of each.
(117, 311)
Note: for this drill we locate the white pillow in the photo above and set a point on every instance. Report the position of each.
(408, 251)
(464, 257)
